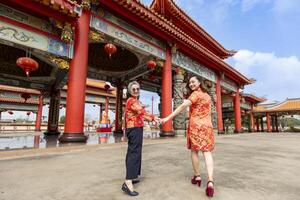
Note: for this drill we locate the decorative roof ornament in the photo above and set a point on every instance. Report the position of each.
(61, 63)
(67, 33)
(86, 4)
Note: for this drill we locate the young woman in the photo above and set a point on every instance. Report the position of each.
(200, 136)
(134, 122)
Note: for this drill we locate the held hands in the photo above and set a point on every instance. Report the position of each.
(161, 120)
(164, 120)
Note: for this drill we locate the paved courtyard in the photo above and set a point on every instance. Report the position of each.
(258, 166)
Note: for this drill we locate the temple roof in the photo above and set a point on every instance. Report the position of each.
(64, 6)
(171, 11)
(285, 106)
(252, 98)
(150, 19)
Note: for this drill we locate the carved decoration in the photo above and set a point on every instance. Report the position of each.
(214, 115)
(96, 36)
(86, 4)
(179, 120)
(67, 33)
(61, 63)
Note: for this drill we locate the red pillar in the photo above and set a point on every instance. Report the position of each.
(219, 106)
(101, 110)
(39, 114)
(105, 116)
(167, 129)
(119, 105)
(77, 83)
(237, 112)
(268, 122)
(36, 141)
(257, 124)
(251, 122)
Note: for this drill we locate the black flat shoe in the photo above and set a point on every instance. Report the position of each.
(135, 181)
(127, 191)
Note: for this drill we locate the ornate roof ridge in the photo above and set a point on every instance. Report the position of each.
(174, 30)
(19, 89)
(180, 13)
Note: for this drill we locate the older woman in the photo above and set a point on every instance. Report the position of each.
(200, 136)
(134, 121)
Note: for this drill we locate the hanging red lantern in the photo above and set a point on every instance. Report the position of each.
(151, 64)
(110, 49)
(25, 96)
(28, 113)
(27, 64)
(10, 112)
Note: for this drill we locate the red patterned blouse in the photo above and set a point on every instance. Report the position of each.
(135, 113)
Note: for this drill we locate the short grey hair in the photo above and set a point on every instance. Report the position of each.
(132, 83)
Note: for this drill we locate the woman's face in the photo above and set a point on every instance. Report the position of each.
(194, 83)
(135, 90)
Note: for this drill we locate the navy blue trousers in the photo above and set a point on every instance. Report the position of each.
(134, 152)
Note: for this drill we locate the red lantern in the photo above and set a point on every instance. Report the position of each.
(27, 64)
(25, 96)
(110, 49)
(151, 64)
(10, 112)
(28, 113)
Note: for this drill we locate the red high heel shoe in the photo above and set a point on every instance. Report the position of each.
(194, 181)
(210, 189)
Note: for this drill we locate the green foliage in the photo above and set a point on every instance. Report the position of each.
(289, 122)
(62, 119)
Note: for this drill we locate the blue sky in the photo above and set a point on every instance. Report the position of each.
(264, 32)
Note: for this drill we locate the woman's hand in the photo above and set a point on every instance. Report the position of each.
(164, 120)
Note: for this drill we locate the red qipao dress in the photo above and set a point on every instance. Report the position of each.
(200, 136)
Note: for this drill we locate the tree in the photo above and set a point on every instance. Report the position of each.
(62, 119)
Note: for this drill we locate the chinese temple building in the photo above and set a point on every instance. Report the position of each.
(46, 44)
(272, 111)
(32, 101)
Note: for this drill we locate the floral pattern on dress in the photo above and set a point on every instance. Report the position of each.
(135, 113)
(200, 136)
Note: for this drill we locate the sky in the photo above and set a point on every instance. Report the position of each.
(265, 34)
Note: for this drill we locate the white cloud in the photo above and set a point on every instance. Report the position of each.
(249, 4)
(277, 77)
(283, 7)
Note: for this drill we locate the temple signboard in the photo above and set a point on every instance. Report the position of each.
(17, 35)
(193, 66)
(126, 36)
(229, 85)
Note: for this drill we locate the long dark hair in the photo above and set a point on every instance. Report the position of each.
(203, 85)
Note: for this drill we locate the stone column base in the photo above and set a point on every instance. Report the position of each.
(238, 131)
(51, 133)
(221, 132)
(180, 132)
(167, 133)
(72, 137)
